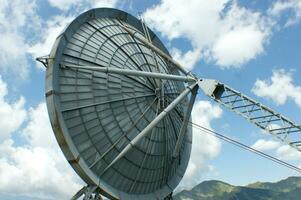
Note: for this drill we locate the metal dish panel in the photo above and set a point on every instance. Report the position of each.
(95, 115)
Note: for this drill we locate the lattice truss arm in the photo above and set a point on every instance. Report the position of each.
(258, 114)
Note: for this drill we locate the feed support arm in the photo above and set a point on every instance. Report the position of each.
(262, 116)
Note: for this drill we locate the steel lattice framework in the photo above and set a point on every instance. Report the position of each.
(260, 115)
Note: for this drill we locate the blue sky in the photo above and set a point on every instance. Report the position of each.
(253, 46)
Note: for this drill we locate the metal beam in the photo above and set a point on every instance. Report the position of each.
(96, 64)
(79, 193)
(89, 192)
(146, 33)
(43, 60)
(150, 126)
(118, 46)
(131, 72)
(185, 122)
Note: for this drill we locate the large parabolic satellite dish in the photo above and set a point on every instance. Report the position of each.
(120, 107)
(95, 114)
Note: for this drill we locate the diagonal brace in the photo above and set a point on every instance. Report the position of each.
(150, 126)
(185, 122)
(155, 49)
(132, 72)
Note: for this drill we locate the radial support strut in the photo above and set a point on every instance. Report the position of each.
(150, 126)
(131, 72)
(185, 122)
(155, 49)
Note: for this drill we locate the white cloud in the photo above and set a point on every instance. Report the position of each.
(38, 168)
(56, 24)
(63, 4)
(104, 3)
(17, 18)
(67, 4)
(36, 173)
(53, 28)
(280, 150)
(265, 145)
(238, 46)
(286, 152)
(220, 31)
(187, 21)
(12, 115)
(279, 88)
(38, 131)
(204, 146)
(280, 7)
(187, 59)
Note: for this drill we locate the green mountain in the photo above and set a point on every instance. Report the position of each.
(288, 189)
